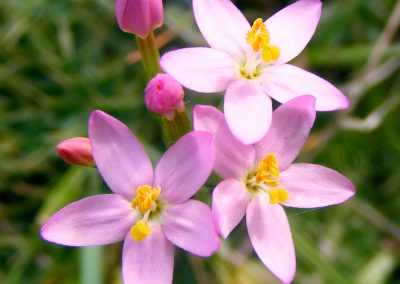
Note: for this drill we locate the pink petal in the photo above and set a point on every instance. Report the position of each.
(185, 167)
(189, 226)
(286, 81)
(119, 156)
(96, 220)
(223, 26)
(229, 205)
(313, 186)
(292, 27)
(270, 235)
(150, 261)
(290, 126)
(232, 158)
(247, 110)
(200, 69)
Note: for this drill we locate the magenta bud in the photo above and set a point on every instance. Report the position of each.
(76, 151)
(164, 95)
(139, 17)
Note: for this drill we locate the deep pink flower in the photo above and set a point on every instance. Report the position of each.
(149, 209)
(259, 179)
(76, 151)
(164, 95)
(139, 17)
(249, 62)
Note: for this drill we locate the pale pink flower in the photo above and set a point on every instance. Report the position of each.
(164, 95)
(76, 151)
(249, 62)
(149, 209)
(259, 179)
(139, 17)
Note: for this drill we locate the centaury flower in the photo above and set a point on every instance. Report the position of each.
(149, 209)
(249, 62)
(259, 179)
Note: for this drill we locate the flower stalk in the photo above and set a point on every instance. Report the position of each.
(150, 55)
(173, 129)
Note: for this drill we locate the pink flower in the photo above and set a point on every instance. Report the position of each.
(139, 17)
(260, 179)
(249, 62)
(149, 209)
(76, 151)
(164, 95)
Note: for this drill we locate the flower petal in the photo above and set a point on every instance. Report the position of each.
(292, 27)
(270, 235)
(223, 26)
(229, 205)
(199, 68)
(119, 156)
(247, 110)
(96, 220)
(290, 126)
(189, 226)
(286, 81)
(185, 167)
(150, 261)
(232, 158)
(313, 186)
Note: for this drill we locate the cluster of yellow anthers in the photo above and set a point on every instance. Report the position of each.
(258, 37)
(268, 172)
(145, 199)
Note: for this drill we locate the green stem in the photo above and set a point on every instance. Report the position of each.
(150, 55)
(91, 265)
(175, 128)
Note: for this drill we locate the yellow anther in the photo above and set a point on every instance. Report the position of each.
(283, 195)
(145, 196)
(268, 170)
(270, 53)
(266, 180)
(259, 39)
(140, 231)
(278, 195)
(275, 52)
(258, 36)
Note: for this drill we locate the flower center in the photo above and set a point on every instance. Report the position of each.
(261, 53)
(259, 39)
(250, 66)
(266, 179)
(146, 201)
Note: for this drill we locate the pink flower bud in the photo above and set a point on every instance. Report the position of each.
(139, 16)
(76, 151)
(164, 95)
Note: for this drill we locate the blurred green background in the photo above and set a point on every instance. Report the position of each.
(59, 60)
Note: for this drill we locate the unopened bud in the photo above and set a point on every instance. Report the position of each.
(164, 95)
(139, 17)
(76, 151)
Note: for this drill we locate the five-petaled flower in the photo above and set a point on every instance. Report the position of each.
(258, 179)
(149, 209)
(249, 62)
